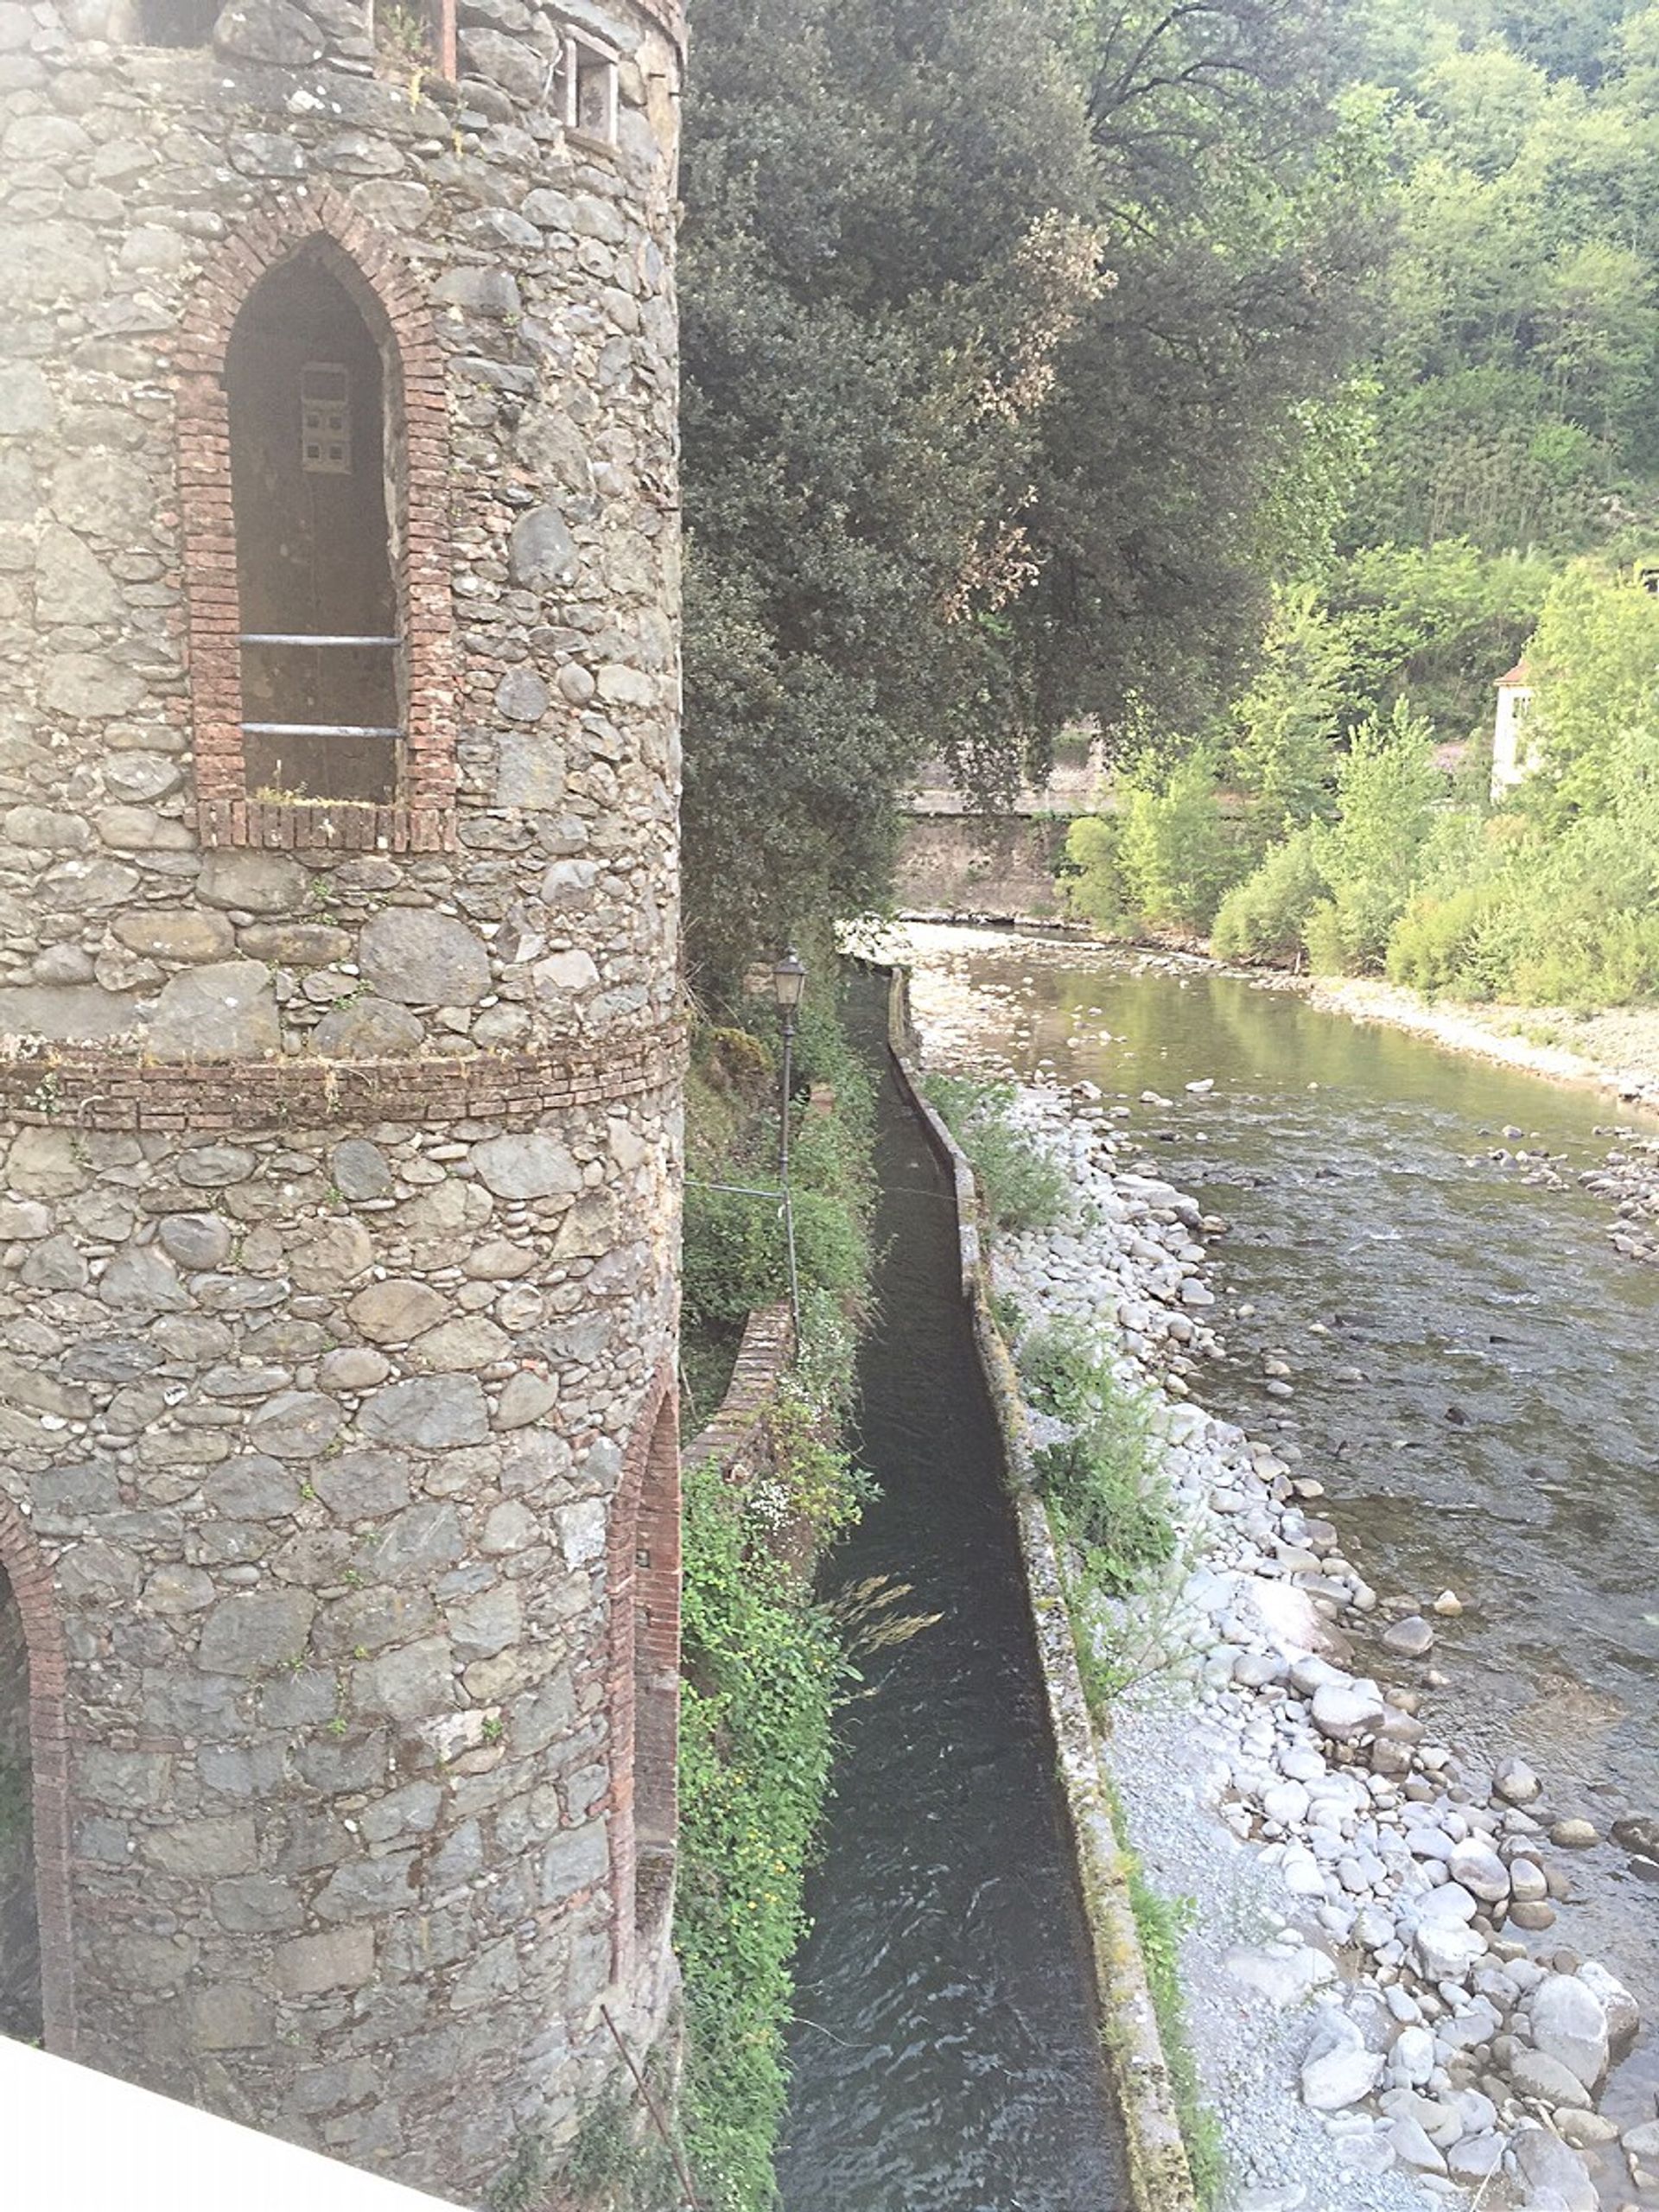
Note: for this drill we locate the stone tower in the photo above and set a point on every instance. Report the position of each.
(339, 1057)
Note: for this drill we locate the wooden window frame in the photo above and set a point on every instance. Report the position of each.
(578, 43)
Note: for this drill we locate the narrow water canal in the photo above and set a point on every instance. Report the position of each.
(946, 2057)
(1474, 1373)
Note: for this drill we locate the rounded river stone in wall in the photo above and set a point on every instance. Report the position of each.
(420, 958)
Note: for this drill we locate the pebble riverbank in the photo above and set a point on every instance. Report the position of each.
(1383, 2012)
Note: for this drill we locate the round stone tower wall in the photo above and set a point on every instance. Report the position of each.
(339, 1105)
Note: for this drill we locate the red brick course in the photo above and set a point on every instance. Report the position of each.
(644, 1669)
(93, 1090)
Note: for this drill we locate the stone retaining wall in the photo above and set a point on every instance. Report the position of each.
(994, 866)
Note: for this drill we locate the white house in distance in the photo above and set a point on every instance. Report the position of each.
(1514, 755)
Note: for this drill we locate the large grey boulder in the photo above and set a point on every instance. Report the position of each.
(1570, 2024)
(1338, 2070)
(417, 957)
(226, 1011)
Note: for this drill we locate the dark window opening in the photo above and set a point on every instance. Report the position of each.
(321, 658)
(590, 90)
(21, 2004)
(176, 22)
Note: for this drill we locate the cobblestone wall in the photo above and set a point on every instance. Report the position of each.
(341, 1158)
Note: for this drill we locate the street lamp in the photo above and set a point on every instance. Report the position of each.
(788, 987)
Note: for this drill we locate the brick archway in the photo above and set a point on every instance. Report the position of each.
(644, 1698)
(319, 221)
(30, 1581)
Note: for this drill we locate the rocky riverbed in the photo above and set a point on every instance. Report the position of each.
(1386, 2003)
(1630, 1178)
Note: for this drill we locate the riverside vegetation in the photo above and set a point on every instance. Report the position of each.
(1335, 813)
(765, 1664)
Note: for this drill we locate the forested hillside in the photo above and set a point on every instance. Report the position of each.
(1249, 380)
(1508, 493)
(1015, 339)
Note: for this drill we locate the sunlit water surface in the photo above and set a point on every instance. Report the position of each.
(945, 2056)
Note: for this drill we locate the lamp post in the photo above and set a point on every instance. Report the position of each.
(788, 986)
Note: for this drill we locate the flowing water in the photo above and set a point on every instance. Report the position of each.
(1475, 1371)
(946, 2059)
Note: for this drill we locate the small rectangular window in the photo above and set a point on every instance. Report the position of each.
(589, 89)
(325, 419)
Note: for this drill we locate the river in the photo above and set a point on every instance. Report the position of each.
(1475, 1372)
(945, 2051)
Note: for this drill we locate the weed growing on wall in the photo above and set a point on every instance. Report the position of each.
(1101, 1481)
(1022, 1186)
(764, 1669)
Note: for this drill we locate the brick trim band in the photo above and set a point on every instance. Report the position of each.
(31, 1586)
(643, 1580)
(95, 1090)
(318, 218)
(667, 15)
(342, 825)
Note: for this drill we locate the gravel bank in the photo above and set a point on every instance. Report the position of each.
(1382, 2008)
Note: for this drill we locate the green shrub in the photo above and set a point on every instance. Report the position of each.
(1387, 788)
(1263, 917)
(1022, 1187)
(765, 1670)
(1176, 853)
(1436, 944)
(1062, 1370)
(1348, 933)
(1089, 878)
(1105, 1485)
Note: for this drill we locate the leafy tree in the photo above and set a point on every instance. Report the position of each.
(1004, 320)
(1284, 754)
(1595, 662)
(1263, 917)
(1176, 854)
(1387, 788)
(1523, 315)
(887, 237)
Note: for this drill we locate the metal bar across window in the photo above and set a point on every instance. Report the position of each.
(304, 638)
(320, 729)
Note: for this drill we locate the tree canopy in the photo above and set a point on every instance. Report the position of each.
(1008, 326)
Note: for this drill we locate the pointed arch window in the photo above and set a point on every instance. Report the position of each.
(313, 481)
(314, 496)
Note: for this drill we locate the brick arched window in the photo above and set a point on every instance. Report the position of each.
(36, 1962)
(311, 417)
(645, 1700)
